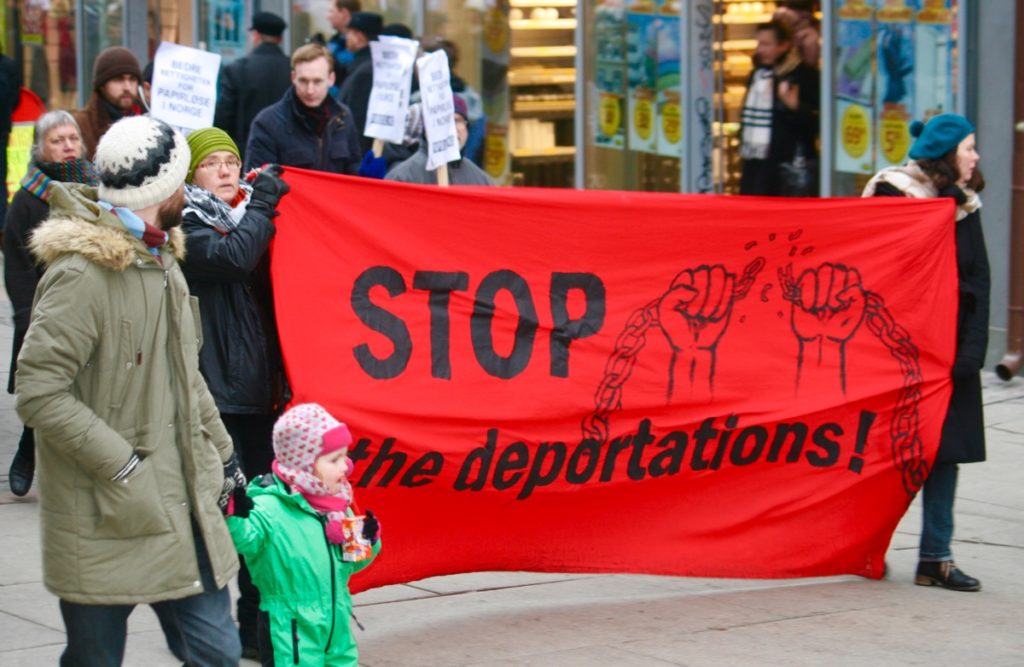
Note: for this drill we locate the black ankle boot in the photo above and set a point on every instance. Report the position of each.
(22, 468)
(946, 574)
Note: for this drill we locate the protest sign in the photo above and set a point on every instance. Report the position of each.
(393, 60)
(184, 92)
(584, 381)
(438, 109)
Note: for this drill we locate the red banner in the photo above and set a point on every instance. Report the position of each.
(558, 380)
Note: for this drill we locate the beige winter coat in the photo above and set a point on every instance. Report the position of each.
(89, 382)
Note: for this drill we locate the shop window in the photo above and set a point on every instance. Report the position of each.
(895, 63)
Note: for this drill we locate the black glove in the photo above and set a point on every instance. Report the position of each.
(267, 190)
(371, 527)
(234, 478)
(965, 369)
(241, 504)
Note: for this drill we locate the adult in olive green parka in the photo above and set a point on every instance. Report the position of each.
(131, 451)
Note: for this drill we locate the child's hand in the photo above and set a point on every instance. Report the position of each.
(371, 528)
(240, 504)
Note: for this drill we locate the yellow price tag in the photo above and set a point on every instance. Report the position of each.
(894, 135)
(610, 115)
(855, 131)
(672, 122)
(496, 30)
(495, 155)
(643, 119)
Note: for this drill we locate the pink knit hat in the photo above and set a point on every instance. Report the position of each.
(305, 433)
(301, 436)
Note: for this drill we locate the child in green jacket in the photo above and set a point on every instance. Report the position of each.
(291, 528)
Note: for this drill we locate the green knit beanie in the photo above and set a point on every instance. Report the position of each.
(206, 141)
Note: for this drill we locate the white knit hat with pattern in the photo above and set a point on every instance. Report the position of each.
(141, 162)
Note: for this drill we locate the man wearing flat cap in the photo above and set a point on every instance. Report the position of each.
(253, 82)
(115, 95)
(355, 90)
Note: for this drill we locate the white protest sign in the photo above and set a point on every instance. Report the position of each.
(184, 86)
(438, 109)
(393, 60)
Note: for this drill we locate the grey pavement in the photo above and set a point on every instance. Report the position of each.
(515, 619)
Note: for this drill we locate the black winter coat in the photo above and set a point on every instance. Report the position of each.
(355, 92)
(282, 134)
(240, 357)
(963, 432)
(21, 272)
(249, 85)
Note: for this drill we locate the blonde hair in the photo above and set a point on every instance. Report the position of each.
(307, 53)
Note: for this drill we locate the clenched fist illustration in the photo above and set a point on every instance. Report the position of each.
(694, 313)
(828, 308)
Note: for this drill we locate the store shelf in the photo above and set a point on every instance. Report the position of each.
(542, 3)
(738, 45)
(543, 106)
(542, 76)
(543, 51)
(546, 24)
(544, 155)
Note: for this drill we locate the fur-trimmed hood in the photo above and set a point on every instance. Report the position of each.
(78, 225)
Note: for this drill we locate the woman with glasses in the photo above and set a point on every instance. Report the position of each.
(228, 226)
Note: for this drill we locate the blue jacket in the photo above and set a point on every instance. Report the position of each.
(284, 135)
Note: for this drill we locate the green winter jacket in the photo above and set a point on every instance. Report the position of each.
(93, 379)
(303, 581)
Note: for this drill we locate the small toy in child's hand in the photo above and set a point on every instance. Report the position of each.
(356, 547)
(371, 527)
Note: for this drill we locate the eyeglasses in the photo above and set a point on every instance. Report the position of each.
(233, 164)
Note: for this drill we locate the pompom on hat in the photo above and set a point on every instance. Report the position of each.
(141, 162)
(205, 142)
(938, 136)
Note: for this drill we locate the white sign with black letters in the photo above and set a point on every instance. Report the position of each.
(184, 90)
(438, 109)
(393, 60)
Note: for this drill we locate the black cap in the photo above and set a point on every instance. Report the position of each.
(397, 30)
(267, 23)
(368, 23)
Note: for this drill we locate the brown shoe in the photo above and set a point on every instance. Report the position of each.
(946, 574)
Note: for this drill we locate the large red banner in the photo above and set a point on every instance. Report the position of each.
(558, 380)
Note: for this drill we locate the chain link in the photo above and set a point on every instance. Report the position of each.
(907, 449)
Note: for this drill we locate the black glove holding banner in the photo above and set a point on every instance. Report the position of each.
(267, 190)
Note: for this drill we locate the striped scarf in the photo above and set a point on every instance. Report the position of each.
(757, 116)
(139, 228)
(39, 175)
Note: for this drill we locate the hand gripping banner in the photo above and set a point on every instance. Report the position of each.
(583, 381)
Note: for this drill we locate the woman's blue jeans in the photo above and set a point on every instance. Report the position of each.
(937, 517)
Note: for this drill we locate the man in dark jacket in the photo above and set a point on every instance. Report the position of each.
(355, 91)
(306, 128)
(115, 95)
(339, 15)
(253, 82)
(779, 119)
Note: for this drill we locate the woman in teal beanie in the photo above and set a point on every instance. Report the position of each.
(944, 163)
